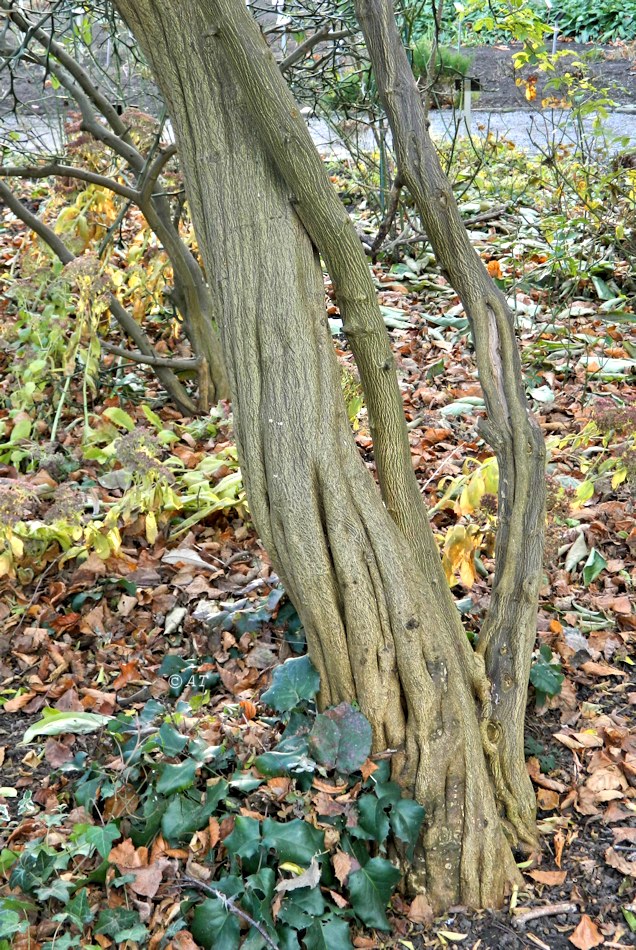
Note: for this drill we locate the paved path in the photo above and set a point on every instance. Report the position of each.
(533, 131)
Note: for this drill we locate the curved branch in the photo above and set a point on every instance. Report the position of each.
(55, 169)
(71, 65)
(320, 36)
(168, 362)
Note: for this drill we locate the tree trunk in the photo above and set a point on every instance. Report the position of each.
(381, 626)
(508, 634)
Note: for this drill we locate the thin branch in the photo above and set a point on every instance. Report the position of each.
(228, 903)
(55, 169)
(167, 362)
(321, 35)
(387, 221)
(149, 179)
(71, 65)
(548, 911)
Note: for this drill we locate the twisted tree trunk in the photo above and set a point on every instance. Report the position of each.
(364, 575)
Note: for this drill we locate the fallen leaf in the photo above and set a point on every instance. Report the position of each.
(548, 800)
(420, 911)
(586, 934)
(342, 865)
(15, 704)
(601, 669)
(309, 878)
(550, 878)
(621, 864)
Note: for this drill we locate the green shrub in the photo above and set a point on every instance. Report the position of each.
(448, 62)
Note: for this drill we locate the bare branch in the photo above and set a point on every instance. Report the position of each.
(166, 362)
(55, 169)
(320, 36)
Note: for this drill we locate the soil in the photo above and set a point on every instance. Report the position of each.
(611, 67)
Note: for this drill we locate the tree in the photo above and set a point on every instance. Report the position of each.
(363, 570)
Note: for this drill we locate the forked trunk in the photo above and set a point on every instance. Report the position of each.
(381, 626)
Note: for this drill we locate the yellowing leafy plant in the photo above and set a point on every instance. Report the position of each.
(473, 491)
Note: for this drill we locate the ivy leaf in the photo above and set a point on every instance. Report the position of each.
(79, 909)
(172, 742)
(370, 889)
(341, 738)
(102, 837)
(295, 841)
(184, 815)
(406, 820)
(245, 839)
(324, 740)
(372, 819)
(546, 677)
(301, 907)
(120, 924)
(294, 682)
(327, 934)
(11, 923)
(214, 927)
(176, 778)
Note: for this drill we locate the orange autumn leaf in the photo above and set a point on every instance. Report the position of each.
(550, 878)
(586, 934)
(494, 269)
(129, 672)
(248, 708)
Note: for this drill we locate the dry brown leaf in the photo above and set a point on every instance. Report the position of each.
(214, 829)
(368, 768)
(586, 934)
(621, 864)
(420, 911)
(600, 669)
(15, 704)
(342, 865)
(338, 899)
(550, 878)
(624, 834)
(183, 941)
(534, 771)
(131, 860)
(558, 841)
(547, 799)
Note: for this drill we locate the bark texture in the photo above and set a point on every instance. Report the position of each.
(380, 623)
(508, 634)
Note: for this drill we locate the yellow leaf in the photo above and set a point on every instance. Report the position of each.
(151, 528)
(6, 565)
(467, 572)
(291, 867)
(619, 477)
(17, 546)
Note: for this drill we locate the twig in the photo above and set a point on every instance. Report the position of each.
(550, 910)
(55, 169)
(228, 903)
(166, 362)
(307, 45)
(387, 222)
